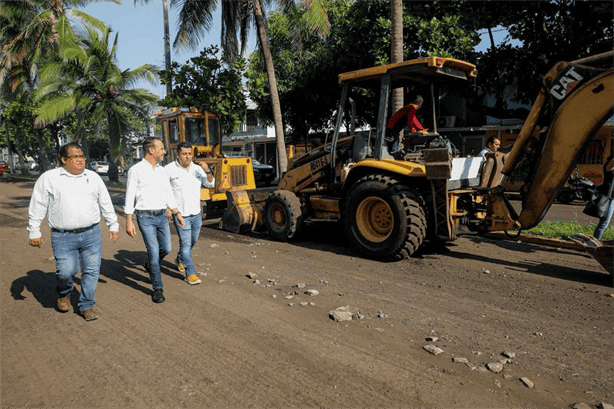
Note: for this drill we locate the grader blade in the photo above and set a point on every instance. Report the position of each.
(244, 210)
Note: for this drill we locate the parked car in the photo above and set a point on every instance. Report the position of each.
(263, 173)
(100, 167)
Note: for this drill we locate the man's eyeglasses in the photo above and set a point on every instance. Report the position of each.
(76, 157)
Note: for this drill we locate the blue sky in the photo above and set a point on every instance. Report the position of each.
(141, 34)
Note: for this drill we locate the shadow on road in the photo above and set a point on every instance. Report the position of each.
(534, 267)
(122, 270)
(43, 287)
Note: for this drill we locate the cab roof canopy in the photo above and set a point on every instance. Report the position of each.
(424, 70)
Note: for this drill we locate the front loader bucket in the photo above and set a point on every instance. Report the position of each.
(600, 250)
(244, 210)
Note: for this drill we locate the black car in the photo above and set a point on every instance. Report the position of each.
(263, 173)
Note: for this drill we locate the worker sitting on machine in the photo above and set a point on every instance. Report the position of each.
(404, 116)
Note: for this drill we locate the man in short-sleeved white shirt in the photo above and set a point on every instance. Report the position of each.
(72, 197)
(186, 179)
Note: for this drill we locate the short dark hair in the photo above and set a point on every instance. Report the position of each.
(417, 100)
(149, 142)
(492, 139)
(184, 144)
(64, 148)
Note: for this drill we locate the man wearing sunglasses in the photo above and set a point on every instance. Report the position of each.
(72, 197)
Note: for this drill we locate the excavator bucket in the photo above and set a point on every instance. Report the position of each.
(244, 210)
(600, 250)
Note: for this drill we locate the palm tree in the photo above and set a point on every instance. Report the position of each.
(85, 79)
(32, 30)
(195, 20)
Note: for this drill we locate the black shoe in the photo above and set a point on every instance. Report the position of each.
(158, 296)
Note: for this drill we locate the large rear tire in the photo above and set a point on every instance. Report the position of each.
(384, 219)
(282, 215)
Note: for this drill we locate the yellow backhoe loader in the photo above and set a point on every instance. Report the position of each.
(389, 206)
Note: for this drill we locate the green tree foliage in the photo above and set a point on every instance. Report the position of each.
(207, 82)
(359, 37)
(30, 31)
(84, 78)
(548, 32)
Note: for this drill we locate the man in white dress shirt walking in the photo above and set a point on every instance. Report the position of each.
(149, 194)
(72, 198)
(186, 179)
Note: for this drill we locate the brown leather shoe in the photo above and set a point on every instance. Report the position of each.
(64, 304)
(89, 315)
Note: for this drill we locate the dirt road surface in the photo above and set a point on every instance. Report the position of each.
(234, 342)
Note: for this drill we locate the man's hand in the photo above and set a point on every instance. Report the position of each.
(113, 235)
(130, 229)
(169, 214)
(180, 220)
(204, 165)
(36, 242)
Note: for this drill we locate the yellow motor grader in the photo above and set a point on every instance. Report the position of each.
(389, 205)
(202, 129)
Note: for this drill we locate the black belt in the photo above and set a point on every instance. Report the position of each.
(150, 212)
(80, 230)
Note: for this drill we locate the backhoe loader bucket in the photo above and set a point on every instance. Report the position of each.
(244, 210)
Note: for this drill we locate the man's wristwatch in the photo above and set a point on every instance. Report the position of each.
(176, 213)
(208, 172)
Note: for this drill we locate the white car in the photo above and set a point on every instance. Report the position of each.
(100, 167)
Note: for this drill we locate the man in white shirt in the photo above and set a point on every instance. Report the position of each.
(492, 145)
(186, 179)
(149, 194)
(72, 198)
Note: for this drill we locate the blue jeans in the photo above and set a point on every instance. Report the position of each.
(157, 238)
(188, 235)
(71, 248)
(604, 221)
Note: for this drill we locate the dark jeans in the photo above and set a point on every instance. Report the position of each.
(157, 238)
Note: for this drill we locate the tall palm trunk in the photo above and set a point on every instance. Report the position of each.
(396, 52)
(44, 161)
(81, 137)
(167, 47)
(268, 60)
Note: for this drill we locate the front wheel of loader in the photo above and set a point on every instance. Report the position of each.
(282, 215)
(384, 219)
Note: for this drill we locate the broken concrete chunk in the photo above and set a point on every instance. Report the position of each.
(527, 382)
(581, 405)
(508, 354)
(460, 360)
(312, 292)
(344, 313)
(432, 349)
(495, 367)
